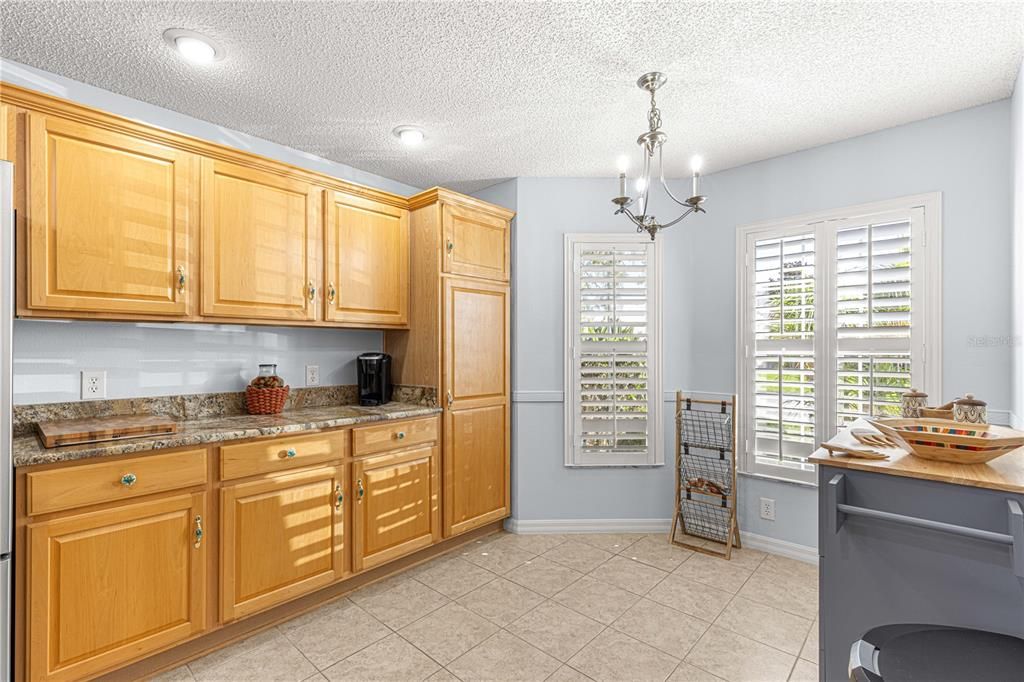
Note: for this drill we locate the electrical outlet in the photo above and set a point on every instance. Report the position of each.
(767, 509)
(94, 384)
(312, 375)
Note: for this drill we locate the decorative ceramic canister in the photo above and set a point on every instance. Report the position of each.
(970, 410)
(912, 402)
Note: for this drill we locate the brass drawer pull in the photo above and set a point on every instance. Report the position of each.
(450, 399)
(181, 279)
(331, 293)
(199, 532)
(128, 480)
(450, 247)
(310, 290)
(339, 497)
(359, 488)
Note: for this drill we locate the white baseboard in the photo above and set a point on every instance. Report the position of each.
(790, 550)
(764, 543)
(529, 527)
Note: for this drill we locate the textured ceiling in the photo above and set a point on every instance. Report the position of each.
(508, 89)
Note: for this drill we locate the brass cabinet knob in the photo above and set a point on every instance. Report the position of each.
(331, 293)
(181, 279)
(450, 247)
(400, 435)
(199, 532)
(310, 290)
(128, 480)
(339, 497)
(450, 399)
(359, 488)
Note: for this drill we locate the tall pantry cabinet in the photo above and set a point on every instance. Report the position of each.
(458, 342)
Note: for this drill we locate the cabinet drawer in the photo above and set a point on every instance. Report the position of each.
(124, 479)
(393, 435)
(279, 454)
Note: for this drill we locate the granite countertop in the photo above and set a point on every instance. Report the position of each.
(1004, 473)
(29, 451)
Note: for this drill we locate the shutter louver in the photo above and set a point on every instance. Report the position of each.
(612, 348)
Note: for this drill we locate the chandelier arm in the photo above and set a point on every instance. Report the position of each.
(670, 224)
(664, 184)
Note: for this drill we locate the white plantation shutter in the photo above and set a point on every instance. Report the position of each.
(784, 316)
(839, 317)
(612, 317)
(873, 319)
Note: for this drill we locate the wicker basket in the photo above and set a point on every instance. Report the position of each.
(265, 400)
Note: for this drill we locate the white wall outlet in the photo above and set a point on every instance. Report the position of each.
(312, 375)
(767, 509)
(94, 384)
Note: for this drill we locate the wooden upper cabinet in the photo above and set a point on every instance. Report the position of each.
(476, 342)
(366, 261)
(110, 216)
(281, 537)
(476, 244)
(259, 244)
(396, 505)
(108, 587)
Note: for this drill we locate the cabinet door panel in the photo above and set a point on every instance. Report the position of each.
(476, 467)
(109, 221)
(108, 587)
(282, 536)
(476, 244)
(476, 342)
(259, 244)
(366, 261)
(396, 505)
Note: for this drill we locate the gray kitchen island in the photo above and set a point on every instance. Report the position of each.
(914, 541)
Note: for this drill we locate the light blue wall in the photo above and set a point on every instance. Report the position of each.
(965, 155)
(1017, 340)
(152, 359)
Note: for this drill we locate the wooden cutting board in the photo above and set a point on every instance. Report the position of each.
(96, 429)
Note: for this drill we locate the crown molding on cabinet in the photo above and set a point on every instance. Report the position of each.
(446, 196)
(47, 104)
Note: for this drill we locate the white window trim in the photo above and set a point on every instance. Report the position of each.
(656, 452)
(925, 336)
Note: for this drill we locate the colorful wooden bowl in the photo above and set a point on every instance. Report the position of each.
(948, 441)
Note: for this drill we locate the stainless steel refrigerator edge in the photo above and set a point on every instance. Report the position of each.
(6, 408)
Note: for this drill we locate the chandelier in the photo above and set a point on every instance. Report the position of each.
(651, 143)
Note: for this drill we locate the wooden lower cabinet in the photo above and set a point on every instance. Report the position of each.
(108, 587)
(396, 505)
(476, 467)
(281, 536)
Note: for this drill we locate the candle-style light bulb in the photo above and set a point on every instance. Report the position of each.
(695, 165)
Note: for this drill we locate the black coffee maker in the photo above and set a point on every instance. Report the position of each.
(374, 378)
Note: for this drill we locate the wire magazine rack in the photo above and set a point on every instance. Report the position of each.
(705, 476)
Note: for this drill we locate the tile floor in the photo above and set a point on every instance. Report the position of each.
(551, 607)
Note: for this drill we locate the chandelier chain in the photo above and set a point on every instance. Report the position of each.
(654, 115)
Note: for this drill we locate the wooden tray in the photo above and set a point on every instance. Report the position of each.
(97, 429)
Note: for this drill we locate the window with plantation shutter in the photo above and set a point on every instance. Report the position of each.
(612, 380)
(838, 316)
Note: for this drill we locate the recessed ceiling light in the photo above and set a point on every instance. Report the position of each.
(192, 46)
(409, 135)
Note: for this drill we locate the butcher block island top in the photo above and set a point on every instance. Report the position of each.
(1004, 473)
(28, 451)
